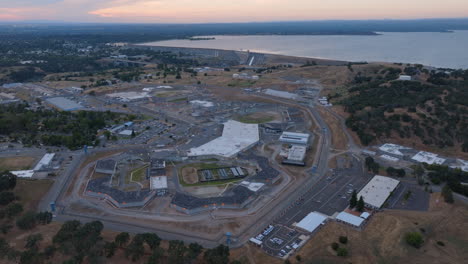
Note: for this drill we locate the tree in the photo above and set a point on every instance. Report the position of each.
(298, 258)
(44, 218)
(335, 246)
(360, 204)
(6, 198)
(13, 210)
(342, 252)
(194, 249)
(343, 239)
(135, 250)
(217, 255)
(152, 240)
(414, 239)
(156, 256)
(109, 249)
(122, 239)
(107, 134)
(7, 181)
(27, 221)
(353, 201)
(447, 194)
(369, 161)
(32, 241)
(176, 252)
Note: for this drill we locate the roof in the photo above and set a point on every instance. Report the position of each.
(253, 186)
(126, 132)
(64, 104)
(428, 157)
(350, 219)
(376, 192)
(389, 158)
(159, 182)
(392, 149)
(23, 173)
(282, 94)
(45, 161)
(294, 137)
(297, 153)
(236, 137)
(255, 241)
(311, 221)
(365, 215)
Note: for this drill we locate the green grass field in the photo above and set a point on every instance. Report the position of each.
(139, 175)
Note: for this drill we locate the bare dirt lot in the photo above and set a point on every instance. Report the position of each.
(189, 175)
(339, 139)
(16, 163)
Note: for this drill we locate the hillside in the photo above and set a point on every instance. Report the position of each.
(432, 110)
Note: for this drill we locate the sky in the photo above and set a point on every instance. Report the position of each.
(201, 11)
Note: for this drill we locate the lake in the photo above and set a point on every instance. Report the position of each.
(448, 50)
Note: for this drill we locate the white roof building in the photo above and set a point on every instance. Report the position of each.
(297, 153)
(44, 162)
(376, 192)
(393, 149)
(350, 219)
(389, 158)
(158, 183)
(23, 173)
(405, 78)
(295, 138)
(236, 137)
(126, 132)
(253, 186)
(281, 94)
(428, 157)
(311, 222)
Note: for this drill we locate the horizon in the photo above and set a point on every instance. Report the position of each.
(242, 11)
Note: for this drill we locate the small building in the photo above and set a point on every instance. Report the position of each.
(23, 173)
(294, 138)
(377, 191)
(256, 242)
(350, 219)
(428, 157)
(157, 168)
(311, 222)
(159, 184)
(296, 155)
(126, 133)
(45, 162)
(105, 166)
(405, 78)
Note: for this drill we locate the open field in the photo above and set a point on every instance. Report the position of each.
(139, 175)
(260, 117)
(31, 191)
(16, 163)
(189, 175)
(339, 139)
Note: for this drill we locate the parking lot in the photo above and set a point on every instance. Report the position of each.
(279, 240)
(409, 196)
(329, 195)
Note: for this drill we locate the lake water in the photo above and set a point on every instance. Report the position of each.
(448, 50)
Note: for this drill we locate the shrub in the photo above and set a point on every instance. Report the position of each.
(440, 243)
(343, 239)
(414, 239)
(335, 246)
(342, 252)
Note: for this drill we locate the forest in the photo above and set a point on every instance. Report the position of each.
(435, 111)
(53, 128)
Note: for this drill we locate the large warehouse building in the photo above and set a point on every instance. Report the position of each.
(236, 137)
(294, 138)
(377, 191)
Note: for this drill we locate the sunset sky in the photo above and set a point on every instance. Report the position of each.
(190, 11)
